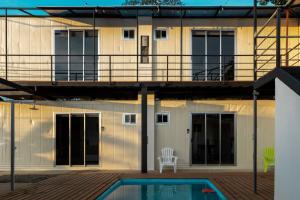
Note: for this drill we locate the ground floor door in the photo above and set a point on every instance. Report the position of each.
(213, 139)
(77, 139)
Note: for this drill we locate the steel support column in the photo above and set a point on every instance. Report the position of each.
(137, 45)
(94, 43)
(255, 98)
(254, 40)
(278, 36)
(6, 45)
(255, 94)
(12, 146)
(181, 47)
(144, 130)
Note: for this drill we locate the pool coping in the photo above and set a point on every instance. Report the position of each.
(212, 183)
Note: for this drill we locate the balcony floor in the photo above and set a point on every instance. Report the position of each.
(90, 184)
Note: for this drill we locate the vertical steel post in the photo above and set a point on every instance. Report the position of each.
(254, 40)
(278, 36)
(255, 93)
(137, 45)
(6, 46)
(12, 146)
(254, 98)
(94, 42)
(181, 47)
(286, 37)
(144, 130)
(167, 68)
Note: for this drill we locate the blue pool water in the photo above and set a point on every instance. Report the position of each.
(161, 189)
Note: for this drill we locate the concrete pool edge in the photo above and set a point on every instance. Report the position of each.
(131, 181)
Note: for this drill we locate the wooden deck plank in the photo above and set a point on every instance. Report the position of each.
(90, 184)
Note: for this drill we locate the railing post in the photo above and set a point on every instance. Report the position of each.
(51, 67)
(110, 68)
(278, 36)
(167, 68)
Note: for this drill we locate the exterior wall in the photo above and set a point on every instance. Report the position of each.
(120, 145)
(35, 133)
(287, 140)
(175, 134)
(35, 36)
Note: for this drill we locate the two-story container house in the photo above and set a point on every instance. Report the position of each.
(109, 87)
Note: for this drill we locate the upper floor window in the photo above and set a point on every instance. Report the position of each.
(75, 55)
(128, 34)
(129, 119)
(162, 118)
(160, 33)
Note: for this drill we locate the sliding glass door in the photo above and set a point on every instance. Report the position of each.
(75, 55)
(213, 139)
(212, 55)
(77, 139)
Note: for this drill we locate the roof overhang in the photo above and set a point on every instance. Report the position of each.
(152, 11)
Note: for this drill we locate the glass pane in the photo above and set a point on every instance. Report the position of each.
(198, 55)
(133, 119)
(127, 118)
(198, 139)
(92, 139)
(165, 118)
(131, 34)
(126, 34)
(77, 139)
(227, 139)
(228, 52)
(163, 34)
(213, 58)
(61, 62)
(62, 139)
(157, 34)
(91, 61)
(159, 118)
(76, 49)
(212, 139)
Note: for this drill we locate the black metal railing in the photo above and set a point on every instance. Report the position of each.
(114, 68)
(274, 45)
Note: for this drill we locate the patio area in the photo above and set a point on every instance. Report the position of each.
(90, 184)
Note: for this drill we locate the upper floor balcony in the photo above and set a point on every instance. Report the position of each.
(145, 44)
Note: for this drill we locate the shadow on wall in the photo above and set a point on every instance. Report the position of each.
(35, 137)
(174, 134)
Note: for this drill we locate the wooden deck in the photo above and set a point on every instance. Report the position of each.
(90, 184)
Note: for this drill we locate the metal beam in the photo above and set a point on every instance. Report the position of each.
(26, 12)
(137, 45)
(144, 130)
(12, 146)
(24, 89)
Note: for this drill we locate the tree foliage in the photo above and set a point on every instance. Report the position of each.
(275, 2)
(152, 2)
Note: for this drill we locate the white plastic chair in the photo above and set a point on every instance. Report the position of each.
(167, 158)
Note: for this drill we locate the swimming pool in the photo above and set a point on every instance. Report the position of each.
(162, 189)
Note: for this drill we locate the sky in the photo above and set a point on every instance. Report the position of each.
(35, 3)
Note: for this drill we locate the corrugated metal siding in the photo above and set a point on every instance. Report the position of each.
(35, 137)
(174, 134)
